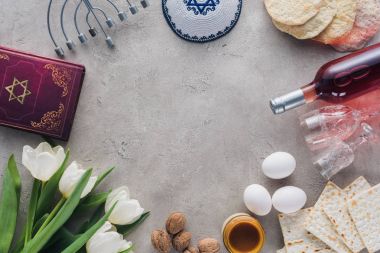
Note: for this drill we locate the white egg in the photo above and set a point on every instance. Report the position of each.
(257, 199)
(279, 165)
(289, 199)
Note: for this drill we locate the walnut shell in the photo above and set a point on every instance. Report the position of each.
(161, 241)
(175, 223)
(208, 245)
(191, 249)
(181, 241)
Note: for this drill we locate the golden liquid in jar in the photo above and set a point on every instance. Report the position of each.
(243, 234)
(244, 237)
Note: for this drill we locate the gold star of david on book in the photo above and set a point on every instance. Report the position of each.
(15, 93)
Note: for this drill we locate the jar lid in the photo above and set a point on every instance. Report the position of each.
(201, 20)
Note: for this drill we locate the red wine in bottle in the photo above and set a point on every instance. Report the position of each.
(337, 81)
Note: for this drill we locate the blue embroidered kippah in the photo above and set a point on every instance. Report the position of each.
(201, 20)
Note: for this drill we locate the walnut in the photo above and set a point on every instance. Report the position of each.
(209, 245)
(181, 241)
(175, 223)
(161, 241)
(191, 249)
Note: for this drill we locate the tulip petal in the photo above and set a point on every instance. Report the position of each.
(29, 157)
(105, 243)
(90, 185)
(44, 147)
(70, 179)
(107, 227)
(127, 229)
(43, 161)
(46, 198)
(126, 212)
(126, 245)
(59, 154)
(107, 240)
(118, 194)
(45, 166)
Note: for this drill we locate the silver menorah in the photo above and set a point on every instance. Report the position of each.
(94, 11)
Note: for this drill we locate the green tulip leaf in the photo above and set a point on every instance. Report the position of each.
(49, 190)
(9, 204)
(61, 240)
(98, 214)
(127, 229)
(92, 201)
(81, 241)
(53, 213)
(43, 236)
(128, 250)
(39, 223)
(20, 242)
(32, 210)
(102, 176)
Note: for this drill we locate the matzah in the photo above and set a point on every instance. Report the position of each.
(320, 226)
(303, 247)
(367, 24)
(341, 24)
(365, 211)
(315, 25)
(358, 186)
(292, 12)
(283, 250)
(295, 234)
(335, 208)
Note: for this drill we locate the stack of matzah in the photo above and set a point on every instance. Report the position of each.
(343, 220)
(347, 25)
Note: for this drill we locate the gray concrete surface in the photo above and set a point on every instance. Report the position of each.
(187, 125)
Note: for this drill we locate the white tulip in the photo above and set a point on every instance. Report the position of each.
(43, 161)
(107, 240)
(126, 211)
(70, 179)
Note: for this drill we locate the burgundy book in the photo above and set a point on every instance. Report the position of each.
(38, 94)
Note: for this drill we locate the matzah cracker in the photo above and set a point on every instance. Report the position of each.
(341, 24)
(304, 247)
(293, 230)
(320, 226)
(359, 185)
(293, 225)
(365, 211)
(315, 25)
(367, 24)
(283, 250)
(335, 208)
(292, 12)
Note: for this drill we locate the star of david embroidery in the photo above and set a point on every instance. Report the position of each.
(201, 6)
(12, 92)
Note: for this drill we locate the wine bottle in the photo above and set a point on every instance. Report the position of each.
(337, 81)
